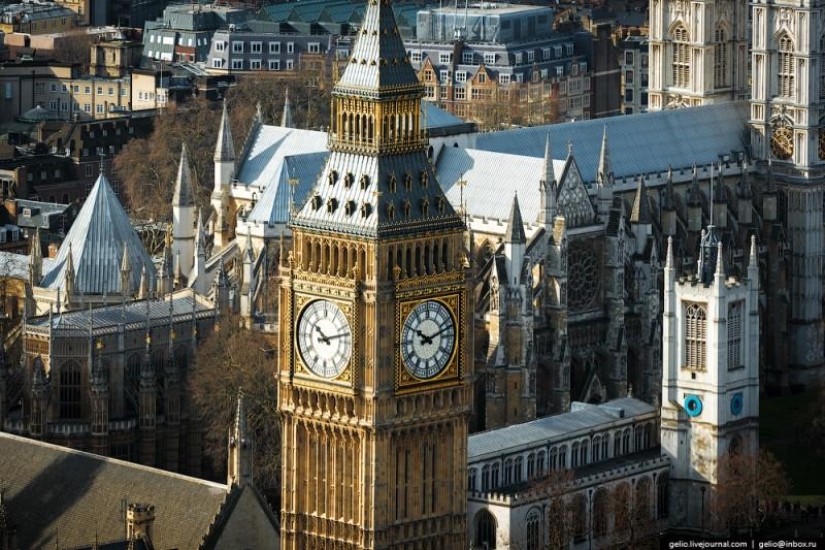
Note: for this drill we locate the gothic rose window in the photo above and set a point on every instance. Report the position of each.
(582, 278)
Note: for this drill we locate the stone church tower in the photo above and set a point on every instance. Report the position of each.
(698, 52)
(787, 117)
(710, 383)
(374, 370)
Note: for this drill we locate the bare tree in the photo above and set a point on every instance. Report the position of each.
(231, 358)
(749, 486)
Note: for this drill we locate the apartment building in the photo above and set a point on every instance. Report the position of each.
(40, 18)
(633, 59)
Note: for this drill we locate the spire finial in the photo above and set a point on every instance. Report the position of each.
(720, 261)
(604, 177)
(102, 166)
(669, 260)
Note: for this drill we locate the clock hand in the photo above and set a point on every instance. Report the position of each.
(336, 336)
(425, 339)
(322, 337)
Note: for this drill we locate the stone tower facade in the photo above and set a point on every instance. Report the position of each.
(698, 52)
(710, 384)
(374, 374)
(787, 117)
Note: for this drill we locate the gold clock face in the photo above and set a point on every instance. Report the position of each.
(782, 143)
(324, 338)
(428, 339)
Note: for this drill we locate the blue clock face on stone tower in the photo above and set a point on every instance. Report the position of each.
(693, 405)
(737, 403)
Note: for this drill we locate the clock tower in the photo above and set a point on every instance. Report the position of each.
(374, 376)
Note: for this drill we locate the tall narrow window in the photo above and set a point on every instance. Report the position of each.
(681, 58)
(785, 67)
(70, 391)
(695, 333)
(720, 59)
(735, 335)
(534, 532)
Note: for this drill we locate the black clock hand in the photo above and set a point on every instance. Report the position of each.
(322, 337)
(429, 339)
(336, 336)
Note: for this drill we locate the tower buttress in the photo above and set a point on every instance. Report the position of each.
(224, 160)
(183, 216)
(241, 448)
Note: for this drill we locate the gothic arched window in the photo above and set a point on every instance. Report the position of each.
(531, 466)
(695, 335)
(70, 391)
(597, 448)
(508, 471)
(485, 530)
(681, 57)
(735, 335)
(785, 67)
(601, 510)
(495, 476)
(720, 59)
(534, 530)
(661, 497)
(518, 470)
(485, 478)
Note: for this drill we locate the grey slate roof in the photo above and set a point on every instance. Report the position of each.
(274, 205)
(96, 240)
(16, 266)
(639, 143)
(582, 418)
(491, 176)
(373, 208)
(129, 313)
(270, 145)
(378, 62)
(56, 492)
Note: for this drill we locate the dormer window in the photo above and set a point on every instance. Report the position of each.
(391, 211)
(425, 206)
(349, 208)
(408, 181)
(348, 180)
(366, 208)
(365, 181)
(407, 208)
(333, 177)
(316, 202)
(425, 178)
(332, 204)
(441, 204)
(392, 183)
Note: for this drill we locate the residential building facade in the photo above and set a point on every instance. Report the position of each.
(634, 61)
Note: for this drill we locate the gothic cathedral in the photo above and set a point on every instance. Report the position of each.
(375, 377)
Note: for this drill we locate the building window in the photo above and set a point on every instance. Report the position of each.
(628, 96)
(628, 58)
(274, 65)
(237, 63)
(87, 107)
(518, 469)
(100, 109)
(494, 476)
(531, 466)
(460, 76)
(467, 58)
(534, 531)
(579, 514)
(482, 78)
(255, 64)
(601, 506)
(628, 77)
(563, 457)
(256, 47)
(597, 448)
(786, 67)
(735, 335)
(216, 63)
(290, 64)
(574, 452)
(485, 531)
(540, 463)
(720, 59)
(237, 47)
(531, 56)
(681, 58)
(605, 446)
(87, 90)
(444, 57)
(416, 57)
(460, 93)
(70, 391)
(554, 456)
(695, 334)
(53, 105)
(290, 47)
(626, 441)
(568, 49)
(471, 480)
(444, 75)
(504, 79)
(88, 170)
(314, 47)
(489, 59)
(485, 478)
(219, 46)
(661, 497)
(508, 472)
(274, 47)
